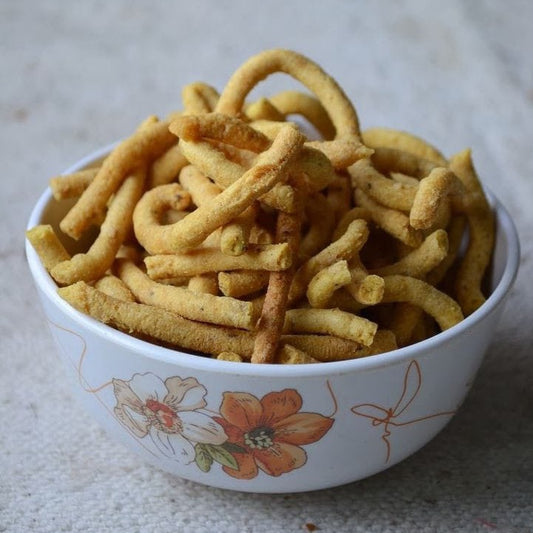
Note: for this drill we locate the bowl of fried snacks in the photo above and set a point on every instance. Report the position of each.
(261, 296)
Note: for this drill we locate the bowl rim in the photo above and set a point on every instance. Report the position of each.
(46, 283)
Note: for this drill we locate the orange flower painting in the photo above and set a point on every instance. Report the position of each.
(268, 434)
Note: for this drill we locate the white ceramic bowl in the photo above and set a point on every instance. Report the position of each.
(270, 428)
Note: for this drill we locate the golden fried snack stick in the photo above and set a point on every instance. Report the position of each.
(337, 105)
(420, 260)
(298, 103)
(199, 97)
(440, 306)
(339, 196)
(200, 187)
(270, 324)
(455, 232)
(321, 221)
(326, 282)
(289, 355)
(156, 323)
(204, 283)
(222, 128)
(234, 132)
(166, 167)
(329, 348)
(271, 257)
(47, 245)
(147, 143)
(148, 215)
(343, 248)
(402, 140)
(235, 235)
(441, 186)
(115, 287)
(365, 288)
(118, 221)
(405, 319)
(271, 168)
(264, 109)
(341, 152)
(392, 221)
(387, 160)
(348, 217)
(229, 356)
(202, 307)
(72, 185)
(481, 227)
(242, 282)
(331, 322)
(213, 163)
(384, 190)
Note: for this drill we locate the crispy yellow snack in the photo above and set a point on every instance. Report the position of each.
(199, 98)
(148, 215)
(270, 257)
(202, 307)
(242, 282)
(481, 226)
(289, 355)
(115, 287)
(147, 143)
(271, 321)
(47, 245)
(156, 323)
(264, 109)
(332, 322)
(72, 185)
(100, 256)
(440, 306)
(271, 168)
(420, 260)
(392, 221)
(298, 103)
(402, 140)
(326, 282)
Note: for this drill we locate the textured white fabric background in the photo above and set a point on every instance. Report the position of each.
(75, 76)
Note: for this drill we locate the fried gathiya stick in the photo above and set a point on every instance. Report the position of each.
(166, 167)
(148, 214)
(440, 306)
(115, 287)
(271, 257)
(329, 348)
(386, 191)
(118, 221)
(326, 282)
(298, 103)
(47, 245)
(421, 260)
(72, 185)
(402, 140)
(242, 282)
(392, 221)
(270, 324)
(199, 97)
(271, 168)
(147, 143)
(156, 323)
(343, 248)
(331, 322)
(201, 307)
(482, 228)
